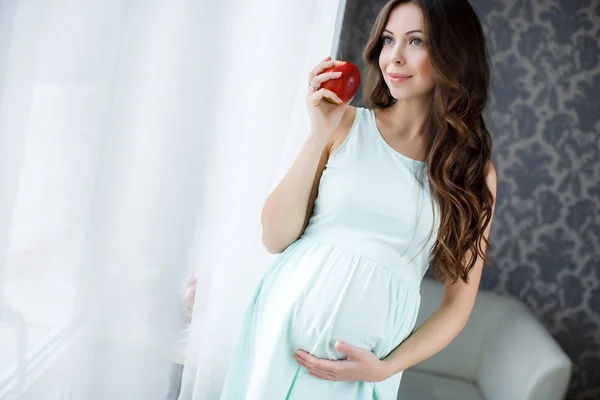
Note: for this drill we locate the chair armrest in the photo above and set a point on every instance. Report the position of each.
(522, 361)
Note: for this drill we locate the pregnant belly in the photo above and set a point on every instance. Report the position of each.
(319, 294)
(358, 304)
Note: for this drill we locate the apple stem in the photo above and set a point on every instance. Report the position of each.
(341, 56)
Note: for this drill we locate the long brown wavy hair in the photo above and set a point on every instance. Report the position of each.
(457, 142)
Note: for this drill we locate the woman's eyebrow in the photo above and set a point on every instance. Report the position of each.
(407, 33)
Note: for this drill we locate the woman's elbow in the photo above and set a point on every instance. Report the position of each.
(270, 246)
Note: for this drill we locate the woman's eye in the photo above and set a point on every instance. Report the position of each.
(416, 42)
(387, 38)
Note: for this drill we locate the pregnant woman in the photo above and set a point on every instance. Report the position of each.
(375, 197)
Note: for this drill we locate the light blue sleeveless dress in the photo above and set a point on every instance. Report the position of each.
(354, 275)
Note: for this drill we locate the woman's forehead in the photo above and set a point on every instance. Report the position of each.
(404, 18)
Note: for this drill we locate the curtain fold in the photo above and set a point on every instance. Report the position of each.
(18, 49)
(142, 139)
(259, 127)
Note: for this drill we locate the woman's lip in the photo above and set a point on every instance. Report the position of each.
(399, 78)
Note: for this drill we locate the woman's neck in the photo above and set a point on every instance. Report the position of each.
(406, 118)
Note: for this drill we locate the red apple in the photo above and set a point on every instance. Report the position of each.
(346, 85)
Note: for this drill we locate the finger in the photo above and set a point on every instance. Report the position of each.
(301, 353)
(316, 372)
(308, 358)
(326, 76)
(323, 366)
(313, 363)
(316, 97)
(300, 361)
(312, 89)
(351, 351)
(344, 348)
(322, 376)
(323, 65)
(305, 357)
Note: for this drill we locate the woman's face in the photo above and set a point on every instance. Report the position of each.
(404, 54)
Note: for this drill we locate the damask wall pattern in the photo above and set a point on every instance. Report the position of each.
(544, 116)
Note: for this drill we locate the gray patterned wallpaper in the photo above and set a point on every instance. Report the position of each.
(544, 117)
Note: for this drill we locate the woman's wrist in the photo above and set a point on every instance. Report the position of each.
(389, 369)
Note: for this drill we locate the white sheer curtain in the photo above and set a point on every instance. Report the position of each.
(138, 142)
(269, 48)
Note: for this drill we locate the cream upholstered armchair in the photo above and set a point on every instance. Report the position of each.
(503, 353)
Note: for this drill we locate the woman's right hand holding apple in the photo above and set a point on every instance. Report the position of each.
(324, 115)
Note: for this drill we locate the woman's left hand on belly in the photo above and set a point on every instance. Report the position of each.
(360, 366)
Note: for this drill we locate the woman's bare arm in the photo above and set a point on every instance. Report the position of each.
(287, 210)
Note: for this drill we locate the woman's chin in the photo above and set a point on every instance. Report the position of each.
(403, 94)
(400, 94)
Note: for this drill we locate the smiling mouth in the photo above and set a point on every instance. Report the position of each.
(399, 78)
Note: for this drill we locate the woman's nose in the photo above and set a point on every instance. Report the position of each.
(397, 56)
